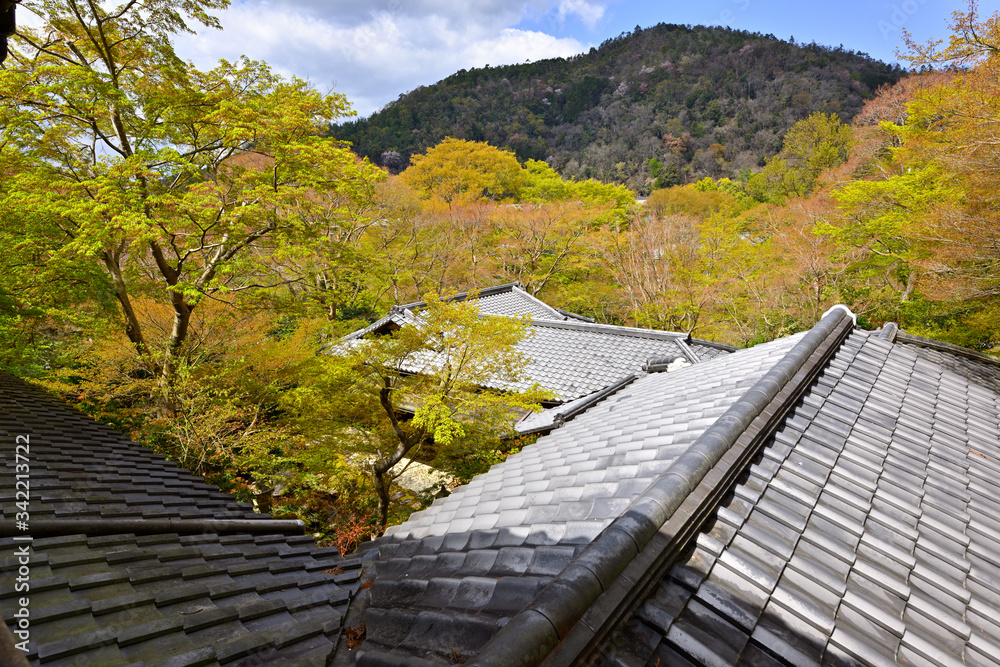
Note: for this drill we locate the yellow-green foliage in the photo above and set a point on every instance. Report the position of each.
(456, 170)
(703, 199)
(455, 371)
(819, 142)
(544, 184)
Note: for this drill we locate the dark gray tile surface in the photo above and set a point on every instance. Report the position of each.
(986, 374)
(127, 599)
(151, 601)
(83, 469)
(871, 536)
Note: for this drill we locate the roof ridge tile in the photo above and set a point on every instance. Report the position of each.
(658, 503)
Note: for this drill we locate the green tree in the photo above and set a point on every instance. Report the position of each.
(819, 142)
(176, 183)
(460, 171)
(886, 220)
(927, 217)
(543, 184)
(812, 145)
(456, 374)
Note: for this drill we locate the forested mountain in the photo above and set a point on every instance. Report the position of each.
(700, 101)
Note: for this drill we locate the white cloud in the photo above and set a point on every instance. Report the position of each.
(588, 12)
(374, 52)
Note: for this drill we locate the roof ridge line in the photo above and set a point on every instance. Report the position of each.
(688, 353)
(685, 495)
(711, 343)
(634, 332)
(586, 402)
(576, 316)
(516, 287)
(888, 331)
(462, 296)
(361, 333)
(595, 398)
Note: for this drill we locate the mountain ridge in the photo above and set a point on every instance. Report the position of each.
(699, 101)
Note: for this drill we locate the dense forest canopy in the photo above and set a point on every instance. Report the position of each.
(701, 101)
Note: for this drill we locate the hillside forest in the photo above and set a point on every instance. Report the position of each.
(701, 101)
(184, 266)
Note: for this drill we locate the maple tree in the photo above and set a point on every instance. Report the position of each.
(927, 214)
(462, 171)
(178, 184)
(457, 373)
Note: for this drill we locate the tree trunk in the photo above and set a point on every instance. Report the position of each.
(382, 491)
(168, 372)
(132, 328)
(911, 283)
(381, 467)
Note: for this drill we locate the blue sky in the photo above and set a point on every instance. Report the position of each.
(375, 51)
(871, 27)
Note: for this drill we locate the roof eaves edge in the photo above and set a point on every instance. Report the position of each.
(374, 326)
(946, 348)
(596, 570)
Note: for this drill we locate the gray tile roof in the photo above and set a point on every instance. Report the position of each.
(546, 420)
(510, 301)
(626, 440)
(864, 532)
(137, 562)
(868, 532)
(517, 302)
(706, 350)
(974, 366)
(481, 554)
(570, 355)
(575, 359)
(85, 469)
